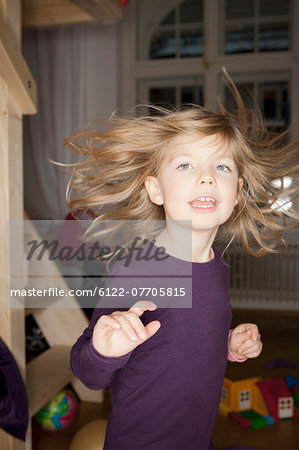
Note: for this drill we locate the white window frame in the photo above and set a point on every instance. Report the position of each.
(256, 79)
(175, 82)
(209, 67)
(224, 394)
(178, 27)
(256, 20)
(245, 404)
(285, 407)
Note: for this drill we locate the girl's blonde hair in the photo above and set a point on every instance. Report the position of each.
(110, 180)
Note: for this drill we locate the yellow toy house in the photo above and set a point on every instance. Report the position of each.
(241, 395)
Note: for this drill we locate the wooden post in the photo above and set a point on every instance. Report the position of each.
(12, 324)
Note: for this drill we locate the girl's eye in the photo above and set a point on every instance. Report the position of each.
(223, 168)
(185, 166)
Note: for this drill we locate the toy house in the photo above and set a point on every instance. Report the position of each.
(254, 402)
(242, 395)
(278, 398)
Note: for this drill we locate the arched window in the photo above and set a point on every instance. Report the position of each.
(174, 52)
(180, 33)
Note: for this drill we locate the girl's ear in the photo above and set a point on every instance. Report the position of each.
(153, 189)
(240, 185)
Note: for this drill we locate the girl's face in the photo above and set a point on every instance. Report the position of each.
(198, 181)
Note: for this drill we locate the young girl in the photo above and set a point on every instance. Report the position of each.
(165, 365)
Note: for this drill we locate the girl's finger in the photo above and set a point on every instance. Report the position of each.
(243, 327)
(248, 345)
(109, 322)
(141, 306)
(252, 354)
(252, 349)
(241, 337)
(136, 324)
(255, 333)
(126, 326)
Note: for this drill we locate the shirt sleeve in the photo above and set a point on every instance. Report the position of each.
(88, 365)
(96, 371)
(230, 356)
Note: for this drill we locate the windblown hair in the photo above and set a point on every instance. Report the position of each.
(110, 180)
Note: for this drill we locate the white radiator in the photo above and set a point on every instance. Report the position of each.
(270, 282)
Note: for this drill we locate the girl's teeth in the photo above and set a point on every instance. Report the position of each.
(201, 202)
(203, 206)
(206, 199)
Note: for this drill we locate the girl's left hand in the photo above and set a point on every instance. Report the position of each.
(245, 341)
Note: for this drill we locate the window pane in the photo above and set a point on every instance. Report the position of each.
(239, 40)
(163, 45)
(169, 19)
(192, 94)
(257, 25)
(275, 104)
(274, 7)
(274, 37)
(269, 104)
(191, 11)
(246, 91)
(191, 43)
(164, 97)
(235, 9)
(272, 100)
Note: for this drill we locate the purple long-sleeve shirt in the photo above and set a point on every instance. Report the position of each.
(165, 394)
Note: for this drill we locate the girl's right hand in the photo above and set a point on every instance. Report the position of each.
(122, 331)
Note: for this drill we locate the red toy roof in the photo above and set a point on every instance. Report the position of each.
(273, 389)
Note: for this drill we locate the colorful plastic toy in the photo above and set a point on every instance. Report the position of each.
(60, 412)
(280, 363)
(255, 403)
(278, 398)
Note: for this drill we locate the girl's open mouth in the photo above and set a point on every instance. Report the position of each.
(203, 202)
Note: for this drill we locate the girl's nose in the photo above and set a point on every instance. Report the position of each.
(206, 178)
(207, 181)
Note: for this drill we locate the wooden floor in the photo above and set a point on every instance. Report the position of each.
(281, 341)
